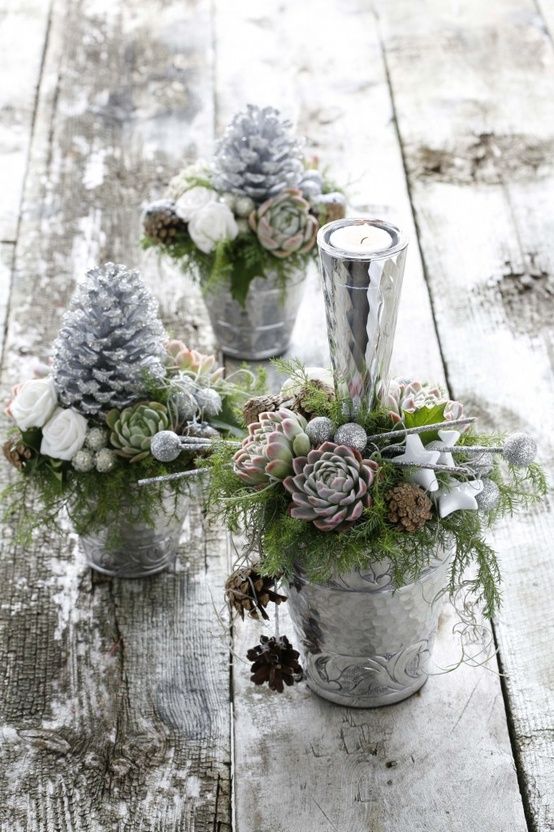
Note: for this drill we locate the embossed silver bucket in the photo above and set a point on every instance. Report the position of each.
(263, 327)
(130, 547)
(366, 643)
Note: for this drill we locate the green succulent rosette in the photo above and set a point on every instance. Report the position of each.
(284, 224)
(133, 428)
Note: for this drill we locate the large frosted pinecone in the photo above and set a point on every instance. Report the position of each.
(404, 396)
(111, 339)
(330, 486)
(161, 223)
(258, 155)
(132, 429)
(284, 224)
(272, 443)
(409, 506)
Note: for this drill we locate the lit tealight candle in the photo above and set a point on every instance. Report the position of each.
(360, 238)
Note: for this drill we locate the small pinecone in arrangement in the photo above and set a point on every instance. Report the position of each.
(110, 341)
(275, 662)
(249, 592)
(258, 155)
(301, 399)
(16, 453)
(160, 222)
(260, 404)
(409, 506)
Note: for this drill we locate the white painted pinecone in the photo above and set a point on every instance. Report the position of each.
(258, 155)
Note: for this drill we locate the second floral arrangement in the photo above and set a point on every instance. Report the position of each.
(399, 498)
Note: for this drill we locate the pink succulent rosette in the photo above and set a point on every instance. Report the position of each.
(330, 486)
(403, 396)
(192, 361)
(268, 451)
(284, 224)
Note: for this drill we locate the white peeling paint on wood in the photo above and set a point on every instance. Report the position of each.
(23, 34)
(411, 766)
(473, 86)
(115, 709)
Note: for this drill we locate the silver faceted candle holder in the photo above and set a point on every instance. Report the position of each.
(362, 266)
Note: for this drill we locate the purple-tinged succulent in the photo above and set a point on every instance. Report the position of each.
(268, 451)
(284, 224)
(330, 486)
(404, 396)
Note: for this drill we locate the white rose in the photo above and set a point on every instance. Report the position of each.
(213, 223)
(64, 434)
(193, 200)
(34, 403)
(292, 386)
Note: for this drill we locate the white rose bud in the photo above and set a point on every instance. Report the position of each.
(34, 403)
(64, 434)
(212, 224)
(193, 200)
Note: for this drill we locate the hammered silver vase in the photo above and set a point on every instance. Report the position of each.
(132, 548)
(366, 643)
(263, 327)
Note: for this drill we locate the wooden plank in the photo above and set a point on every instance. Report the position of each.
(473, 87)
(23, 35)
(115, 707)
(441, 760)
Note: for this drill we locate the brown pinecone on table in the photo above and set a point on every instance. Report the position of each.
(275, 662)
(161, 223)
(249, 592)
(17, 453)
(260, 404)
(409, 506)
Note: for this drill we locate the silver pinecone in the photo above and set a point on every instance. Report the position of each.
(110, 341)
(258, 155)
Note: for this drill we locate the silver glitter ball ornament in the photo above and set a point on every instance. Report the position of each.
(229, 200)
(519, 449)
(165, 446)
(209, 401)
(319, 429)
(105, 460)
(244, 206)
(96, 439)
(488, 499)
(482, 463)
(182, 405)
(351, 434)
(202, 429)
(83, 460)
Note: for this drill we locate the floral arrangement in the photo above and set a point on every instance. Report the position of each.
(321, 493)
(122, 402)
(256, 208)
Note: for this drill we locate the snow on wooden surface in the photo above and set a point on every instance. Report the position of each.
(119, 709)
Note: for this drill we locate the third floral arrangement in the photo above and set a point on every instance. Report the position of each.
(122, 403)
(320, 493)
(255, 209)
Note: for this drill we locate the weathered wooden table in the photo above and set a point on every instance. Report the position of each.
(125, 705)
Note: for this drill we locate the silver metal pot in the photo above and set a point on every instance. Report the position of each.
(130, 548)
(366, 643)
(263, 327)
